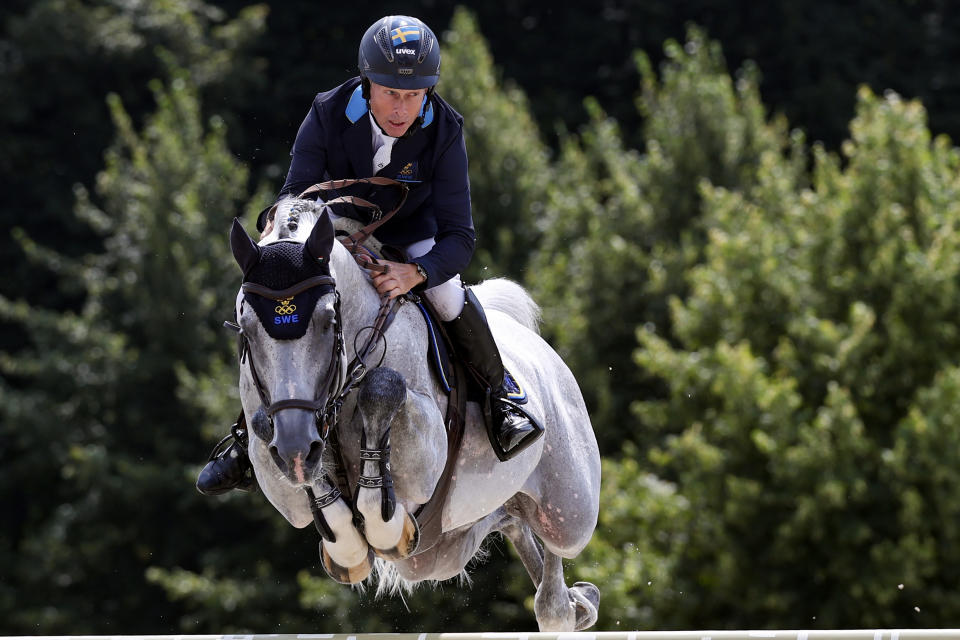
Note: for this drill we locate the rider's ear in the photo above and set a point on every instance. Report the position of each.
(245, 250)
(320, 242)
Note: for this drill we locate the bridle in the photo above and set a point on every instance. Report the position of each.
(340, 380)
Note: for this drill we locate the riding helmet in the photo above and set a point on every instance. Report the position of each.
(399, 52)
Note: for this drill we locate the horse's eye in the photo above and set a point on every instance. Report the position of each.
(328, 320)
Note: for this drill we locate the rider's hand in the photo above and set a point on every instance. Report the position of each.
(398, 280)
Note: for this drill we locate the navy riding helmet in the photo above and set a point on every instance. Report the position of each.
(399, 52)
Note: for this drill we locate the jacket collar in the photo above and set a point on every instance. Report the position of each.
(356, 137)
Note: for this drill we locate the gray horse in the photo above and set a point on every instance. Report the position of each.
(390, 430)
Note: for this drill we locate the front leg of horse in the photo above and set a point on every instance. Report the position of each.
(389, 529)
(274, 452)
(344, 552)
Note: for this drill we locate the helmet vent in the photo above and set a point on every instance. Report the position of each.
(426, 45)
(383, 41)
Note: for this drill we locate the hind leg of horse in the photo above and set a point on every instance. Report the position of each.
(529, 550)
(559, 608)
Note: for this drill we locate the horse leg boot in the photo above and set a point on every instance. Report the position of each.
(389, 529)
(510, 429)
(228, 468)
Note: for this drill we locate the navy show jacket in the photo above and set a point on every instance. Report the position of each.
(335, 141)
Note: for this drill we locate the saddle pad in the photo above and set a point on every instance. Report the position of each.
(514, 391)
(439, 355)
(443, 366)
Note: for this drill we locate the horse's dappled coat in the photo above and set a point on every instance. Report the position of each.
(545, 500)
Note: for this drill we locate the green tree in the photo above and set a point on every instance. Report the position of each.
(509, 163)
(621, 226)
(808, 415)
(60, 58)
(104, 410)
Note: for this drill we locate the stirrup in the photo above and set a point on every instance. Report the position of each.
(236, 433)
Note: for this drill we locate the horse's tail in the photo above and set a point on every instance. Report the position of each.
(500, 294)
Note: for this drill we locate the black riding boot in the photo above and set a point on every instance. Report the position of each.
(228, 468)
(510, 429)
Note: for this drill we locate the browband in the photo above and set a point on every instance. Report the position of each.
(300, 287)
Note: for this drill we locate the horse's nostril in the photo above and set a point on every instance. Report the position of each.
(278, 459)
(316, 452)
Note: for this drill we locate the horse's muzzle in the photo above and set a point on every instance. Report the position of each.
(296, 447)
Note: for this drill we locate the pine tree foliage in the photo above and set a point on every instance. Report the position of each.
(97, 423)
(767, 337)
(58, 60)
(509, 162)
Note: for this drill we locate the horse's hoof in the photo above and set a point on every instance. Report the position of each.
(346, 575)
(586, 598)
(408, 543)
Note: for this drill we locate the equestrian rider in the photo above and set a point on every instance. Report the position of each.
(390, 121)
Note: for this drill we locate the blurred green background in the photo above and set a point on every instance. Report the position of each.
(741, 220)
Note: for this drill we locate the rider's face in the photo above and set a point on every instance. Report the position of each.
(395, 109)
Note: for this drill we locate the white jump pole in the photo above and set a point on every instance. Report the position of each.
(843, 634)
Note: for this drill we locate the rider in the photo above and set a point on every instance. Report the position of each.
(390, 121)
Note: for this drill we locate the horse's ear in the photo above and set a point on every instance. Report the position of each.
(245, 250)
(320, 242)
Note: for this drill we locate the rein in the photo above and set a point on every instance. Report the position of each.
(340, 380)
(355, 241)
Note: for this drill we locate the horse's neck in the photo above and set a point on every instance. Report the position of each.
(359, 301)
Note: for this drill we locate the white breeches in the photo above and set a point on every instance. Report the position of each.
(448, 298)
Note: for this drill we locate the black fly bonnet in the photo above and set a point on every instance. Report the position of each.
(282, 266)
(283, 281)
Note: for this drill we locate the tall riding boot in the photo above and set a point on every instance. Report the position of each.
(228, 468)
(510, 429)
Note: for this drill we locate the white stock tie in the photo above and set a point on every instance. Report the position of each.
(382, 145)
(382, 157)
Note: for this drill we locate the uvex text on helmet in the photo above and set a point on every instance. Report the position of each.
(400, 52)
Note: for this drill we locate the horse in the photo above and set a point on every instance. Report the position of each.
(315, 368)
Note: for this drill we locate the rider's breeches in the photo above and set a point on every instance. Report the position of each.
(447, 298)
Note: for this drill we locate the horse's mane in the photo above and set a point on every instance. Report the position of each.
(293, 220)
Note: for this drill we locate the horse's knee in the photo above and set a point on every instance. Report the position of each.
(381, 396)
